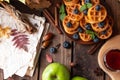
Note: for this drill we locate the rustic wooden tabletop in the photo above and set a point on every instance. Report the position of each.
(85, 64)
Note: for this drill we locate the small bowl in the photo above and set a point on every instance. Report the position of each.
(111, 44)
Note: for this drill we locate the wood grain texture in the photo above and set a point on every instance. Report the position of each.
(62, 56)
(86, 64)
(113, 7)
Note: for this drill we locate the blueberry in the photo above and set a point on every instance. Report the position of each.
(53, 50)
(88, 26)
(75, 36)
(98, 7)
(76, 11)
(95, 40)
(69, 24)
(66, 44)
(80, 30)
(104, 32)
(87, 1)
(101, 24)
(85, 11)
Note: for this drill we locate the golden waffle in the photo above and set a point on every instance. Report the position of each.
(107, 35)
(110, 20)
(73, 28)
(85, 37)
(92, 1)
(67, 2)
(88, 21)
(83, 23)
(96, 16)
(98, 28)
(71, 12)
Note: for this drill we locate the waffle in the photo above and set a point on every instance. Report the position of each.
(110, 20)
(83, 23)
(88, 21)
(71, 12)
(107, 35)
(92, 1)
(73, 28)
(96, 16)
(67, 3)
(97, 28)
(85, 37)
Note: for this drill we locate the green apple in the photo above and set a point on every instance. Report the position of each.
(56, 71)
(79, 78)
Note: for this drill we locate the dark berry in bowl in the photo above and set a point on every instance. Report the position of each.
(69, 24)
(104, 32)
(96, 39)
(75, 36)
(66, 44)
(85, 11)
(53, 50)
(88, 26)
(80, 30)
(87, 1)
(98, 8)
(101, 24)
(76, 11)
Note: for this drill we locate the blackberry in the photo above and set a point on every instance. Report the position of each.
(96, 40)
(101, 24)
(104, 32)
(98, 8)
(85, 11)
(76, 11)
(69, 24)
(88, 26)
(66, 44)
(80, 30)
(87, 1)
(75, 36)
(53, 50)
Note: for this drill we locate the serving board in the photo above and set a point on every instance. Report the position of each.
(86, 64)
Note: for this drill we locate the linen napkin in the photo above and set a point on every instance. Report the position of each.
(14, 60)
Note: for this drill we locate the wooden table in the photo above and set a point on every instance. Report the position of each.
(86, 64)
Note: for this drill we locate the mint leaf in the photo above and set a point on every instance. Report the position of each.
(83, 7)
(62, 9)
(92, 33)
(62, 12)
(89, 5)
(62, 16)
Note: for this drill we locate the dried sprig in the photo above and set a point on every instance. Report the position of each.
(20, 40)
(18, 16)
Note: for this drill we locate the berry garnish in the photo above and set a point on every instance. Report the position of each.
(98, 7)
(104, 32)
(53, 50)
(96, 40)
(101, 24)
(69, 24)
(88, 26)
(80, 30)
(85, 11)
(75, 36)
(66, 44)
(87, 1)
(76, 11)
